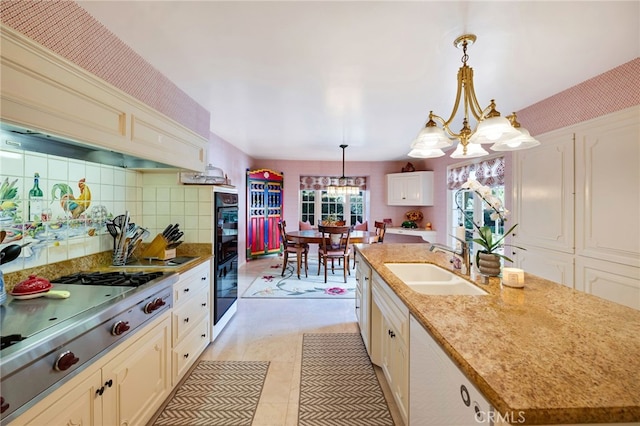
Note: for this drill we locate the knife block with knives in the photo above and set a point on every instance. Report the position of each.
(164, 245)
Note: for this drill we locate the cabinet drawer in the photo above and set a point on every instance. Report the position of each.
(189, 315)
(188, 351)
(191, 282)
(392, 308)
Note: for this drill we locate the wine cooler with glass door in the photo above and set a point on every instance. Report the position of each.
(225, 290)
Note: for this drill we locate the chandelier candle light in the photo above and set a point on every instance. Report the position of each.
(343, 187)
(505, 134)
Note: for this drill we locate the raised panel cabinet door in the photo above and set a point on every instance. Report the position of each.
(544, 193)
(400, 362)
(365, 308)
(138, 379)
(80, 405)
(387, 352)
(396, 190)
(608, 188)
(548, 264)
(410, 189)
(612, 281)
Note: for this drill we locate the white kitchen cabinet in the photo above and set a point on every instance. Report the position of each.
(137, 381)
(611, 281)
(608, 188)
(363, 300)
(577, 198)
(544, 193)
(390, 341)
(77, 406)
(410, 189)
(43, 92)
(126, 386)
(191, 320)
(440, 394)
(429, 236)
(549, 264)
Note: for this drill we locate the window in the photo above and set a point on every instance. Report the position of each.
(489, 172)
(316, 205)
(475, 210)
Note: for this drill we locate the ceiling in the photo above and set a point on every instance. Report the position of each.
(295, 79)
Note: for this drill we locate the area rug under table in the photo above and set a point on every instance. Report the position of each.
(271, 284)
(338, 385)
(217, 393)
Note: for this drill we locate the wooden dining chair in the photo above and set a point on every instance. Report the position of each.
(381, 228)
(359, 227)
(293, 248)
(335, 245)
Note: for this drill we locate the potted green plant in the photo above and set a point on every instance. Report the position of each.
(488, 257)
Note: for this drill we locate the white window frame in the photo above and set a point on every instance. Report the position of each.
(318, 215)
(478, 211)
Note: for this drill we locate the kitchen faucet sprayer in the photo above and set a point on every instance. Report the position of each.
(463, 253)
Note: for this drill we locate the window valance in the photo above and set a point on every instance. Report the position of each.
(316, 183)
(488, 172)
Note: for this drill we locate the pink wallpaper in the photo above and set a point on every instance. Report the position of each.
(68, 30)
(608, 92)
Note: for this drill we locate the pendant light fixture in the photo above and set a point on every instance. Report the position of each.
(504, 133)
(343, 187)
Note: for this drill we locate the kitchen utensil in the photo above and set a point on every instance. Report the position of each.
(173, 229)
(173, 245)
(10, 253)
(3, 234)
(112, 228)
(172, 236)
(166, 231)
(119, 221)
(51, 294)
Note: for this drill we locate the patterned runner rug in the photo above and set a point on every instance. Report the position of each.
(270, 284)
(338, 385)
(217, 393)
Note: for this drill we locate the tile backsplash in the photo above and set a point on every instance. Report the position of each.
(72, 223)
(74, 226)
(165, 201)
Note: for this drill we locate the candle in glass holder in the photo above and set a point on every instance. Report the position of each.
(513, 277)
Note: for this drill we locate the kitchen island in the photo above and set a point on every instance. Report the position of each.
(556, 355)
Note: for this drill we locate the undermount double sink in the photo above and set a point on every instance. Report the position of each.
(430, 279)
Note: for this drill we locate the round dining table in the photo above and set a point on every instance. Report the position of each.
(313, 236)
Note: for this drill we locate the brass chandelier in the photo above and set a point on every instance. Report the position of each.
(504, 133)
(343, 187)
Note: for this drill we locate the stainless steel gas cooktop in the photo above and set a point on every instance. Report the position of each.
(48, 341)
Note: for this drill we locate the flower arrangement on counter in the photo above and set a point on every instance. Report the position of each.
(412, 216)
(486, 238)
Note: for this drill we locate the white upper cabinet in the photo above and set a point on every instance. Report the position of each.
(43, 92)
(608, 188)
(410, 189)
(577, 198)
(544, 193)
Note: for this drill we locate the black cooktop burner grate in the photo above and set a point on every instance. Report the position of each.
(131, 279)
(6, 341)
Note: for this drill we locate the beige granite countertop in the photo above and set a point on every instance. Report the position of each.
(102, 261)
(558, 355)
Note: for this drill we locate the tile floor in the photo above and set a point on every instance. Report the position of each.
(271, 330)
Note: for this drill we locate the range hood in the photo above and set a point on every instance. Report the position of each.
(15, 138)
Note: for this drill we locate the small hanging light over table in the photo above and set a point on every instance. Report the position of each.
(343, 187)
